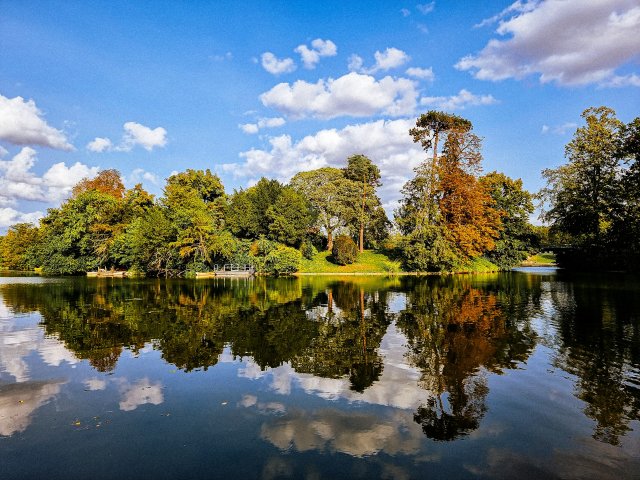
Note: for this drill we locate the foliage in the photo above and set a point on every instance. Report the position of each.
(446, 214)
(514, 205)
(282, 260)
(15, 244)
(290, 217)
(582, 194)
(331, 195)
(363, 172)
(308, 249)
(344, 251)
(107, 181)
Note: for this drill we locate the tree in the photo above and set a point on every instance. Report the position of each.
(363, 171)
(514, 204)
(330, 194)
(290, 217)
(14, 246)
(429, 128)
(445, 213)
(583, 193)
(107, 181)
(196, 203)
(470, 222)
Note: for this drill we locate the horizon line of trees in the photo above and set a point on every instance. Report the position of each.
(450, 212)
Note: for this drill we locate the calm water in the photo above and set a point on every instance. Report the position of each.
(531, 374)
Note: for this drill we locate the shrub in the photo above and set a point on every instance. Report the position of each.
(345, 250)
(308, 250)
(282, 260)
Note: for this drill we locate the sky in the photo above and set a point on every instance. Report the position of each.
(270, 88)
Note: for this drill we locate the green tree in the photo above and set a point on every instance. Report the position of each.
(331, 196)
(196, 202)
(15, 244)
(247, 213)
(361, 170)
(290, 217)
(582, 194)
(514, 204)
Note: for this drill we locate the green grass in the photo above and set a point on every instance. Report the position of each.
(368, 262)
(546, 258)
(479, 265)
(372, 262)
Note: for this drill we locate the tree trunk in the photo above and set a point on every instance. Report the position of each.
(329, 240)
(364, 196)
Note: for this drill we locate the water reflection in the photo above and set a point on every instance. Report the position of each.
(421, 351)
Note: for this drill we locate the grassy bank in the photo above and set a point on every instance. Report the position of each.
(370, 262)
(545, 259)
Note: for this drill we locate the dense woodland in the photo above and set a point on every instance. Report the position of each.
(449, 215)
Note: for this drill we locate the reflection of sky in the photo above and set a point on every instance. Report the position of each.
(20, 337)
(397, 386)
(19, 400)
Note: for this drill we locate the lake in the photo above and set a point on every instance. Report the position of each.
(528, 374)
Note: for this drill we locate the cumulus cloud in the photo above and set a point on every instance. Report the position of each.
(386, 142)
(389, 59)
(134, 134)
(275, 66)
(251, 128)
(319, 48)
(421, 73)
(18, 182)
(9, 216)
(137, 134)
(568, 42)
(353, 94)
(22, 123)
(463, 99)
(100, 144)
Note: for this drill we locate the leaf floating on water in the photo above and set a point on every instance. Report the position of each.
(77, 423)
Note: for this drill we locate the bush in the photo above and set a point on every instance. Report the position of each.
(345, 250)
(308, 250)
(282, 260)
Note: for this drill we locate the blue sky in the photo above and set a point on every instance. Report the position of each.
(266, 88)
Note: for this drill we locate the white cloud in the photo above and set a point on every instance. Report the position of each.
(140, 393)
(10, 216)
(352, 94)
(319, 48)
(617, 81)
(405, 12)
(387, 143)
(569, 42)
(389, 59)
(275, 66)
(421, 73)
(18, 182)
(516, 7)
(463, 99)
(252, 128)
(140, 175)
(100, 144)
(137, 134)
(559, 129)
(22, 123)
(426, 7)
(134, 134)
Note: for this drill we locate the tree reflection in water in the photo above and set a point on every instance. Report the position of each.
(455, 332)
(458, 331)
